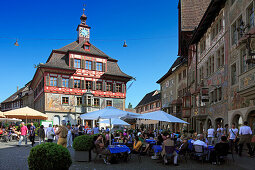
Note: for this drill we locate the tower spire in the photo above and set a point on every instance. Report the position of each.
(83, 29)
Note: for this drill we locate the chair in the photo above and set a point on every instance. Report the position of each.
(199, 152)
(139, 154)
(169, 152)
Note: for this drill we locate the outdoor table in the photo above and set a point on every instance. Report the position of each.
(210, 147)
(118, 149)
(150, 141)
(157, 148)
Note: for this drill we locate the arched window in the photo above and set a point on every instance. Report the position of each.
(56, 120)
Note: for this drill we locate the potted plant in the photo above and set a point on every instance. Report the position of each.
(49, 156)
(82, 146)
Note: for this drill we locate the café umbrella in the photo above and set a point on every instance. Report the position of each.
(25, 113)
(108, 113)
(10, 120)
(161, 116)
(1, 115)
(115, 121)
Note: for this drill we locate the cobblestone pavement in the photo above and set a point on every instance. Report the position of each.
(15, 158)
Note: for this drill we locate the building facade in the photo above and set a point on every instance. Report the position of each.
(173, 86)
(241, 68)
(78, 78)
(208, 71)
(21, 98)
(151, 102)
(221, 66)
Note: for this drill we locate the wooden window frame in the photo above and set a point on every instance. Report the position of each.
(65, 100)
(88, 65)
(118, 88)
(107, 86)
(99, 84)
(79, 101)
(65, 82)
(55, 81)
(110, 101)
(99, 66)
(75, 85)
(77, 63)
(87, 85)
(96, 102)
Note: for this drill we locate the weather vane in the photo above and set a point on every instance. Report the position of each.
(84, 5)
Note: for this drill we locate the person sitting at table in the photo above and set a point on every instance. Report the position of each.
(166, 143)
(184, 146)
(200, 141)
(100, 148)
(122, 139)
(129, 138)
(137, 145)
(221, 149)
(141, 138)
(159, 140)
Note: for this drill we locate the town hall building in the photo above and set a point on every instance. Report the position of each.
(78, 78)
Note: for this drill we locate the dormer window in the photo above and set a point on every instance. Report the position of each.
(86, 47)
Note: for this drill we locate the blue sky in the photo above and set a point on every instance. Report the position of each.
(150, 28)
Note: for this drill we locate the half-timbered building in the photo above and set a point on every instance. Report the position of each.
(78, 78)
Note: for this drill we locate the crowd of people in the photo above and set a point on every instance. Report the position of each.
(222, 140)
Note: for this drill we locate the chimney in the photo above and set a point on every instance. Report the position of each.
(17, 88)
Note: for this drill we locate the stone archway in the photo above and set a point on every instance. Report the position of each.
(219, 121)
(209, 123)
(238, 120)
(251, 120)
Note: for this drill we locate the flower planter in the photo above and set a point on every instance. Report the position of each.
(82, 156)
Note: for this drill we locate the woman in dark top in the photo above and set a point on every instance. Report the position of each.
(159, 140)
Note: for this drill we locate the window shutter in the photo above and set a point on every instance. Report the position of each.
(59, 81)
(71, 83)
(71, 62)
(82, 84)
(82, 64)
(47, 80)
(104, 85)
(103, 67)
(114, 87)
(93, 85)
(123, 89)
(93, 65)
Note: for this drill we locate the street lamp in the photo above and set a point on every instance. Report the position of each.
(16, 43)
(125, 44)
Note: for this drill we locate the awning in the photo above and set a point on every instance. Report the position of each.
(166, 105)
(177, 102)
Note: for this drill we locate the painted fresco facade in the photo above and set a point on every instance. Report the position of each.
(242, 83)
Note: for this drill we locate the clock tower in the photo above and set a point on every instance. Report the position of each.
(83, 30)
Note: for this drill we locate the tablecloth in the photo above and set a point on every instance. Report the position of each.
(118, 148)
(157, 148)
(150, 141)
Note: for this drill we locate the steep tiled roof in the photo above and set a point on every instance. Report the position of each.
(114, 69)
(15, 95)
(178, 62)
(59, 58)
(148, 98)
(57, 61)
(78, 47)
(191, 13)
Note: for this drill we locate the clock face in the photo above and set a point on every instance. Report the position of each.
(84, 32)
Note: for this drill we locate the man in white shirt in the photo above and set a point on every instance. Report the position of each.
(233, 132)
(210, 135)
(200, 141)
(245, 132)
